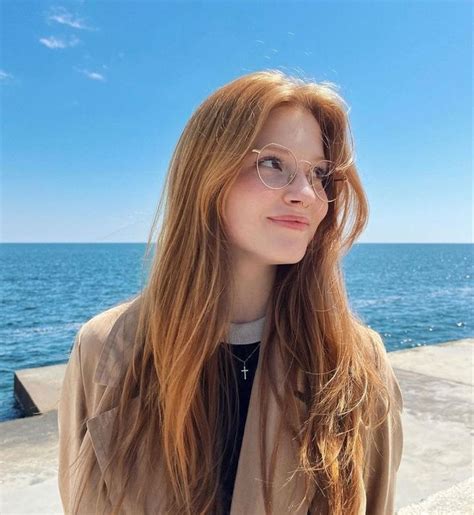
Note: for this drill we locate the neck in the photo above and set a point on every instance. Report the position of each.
(253, 285)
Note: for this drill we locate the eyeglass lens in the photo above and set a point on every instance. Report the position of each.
(277, 166)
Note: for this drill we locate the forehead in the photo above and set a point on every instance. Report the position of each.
(294, 127)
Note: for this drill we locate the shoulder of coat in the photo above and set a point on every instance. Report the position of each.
(98, 334)
(384, 365)
(373, 345)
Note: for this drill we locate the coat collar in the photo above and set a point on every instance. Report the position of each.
(247, 498)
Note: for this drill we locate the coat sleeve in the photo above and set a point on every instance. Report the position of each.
(72, 416)
(384, 444)
(78, 470)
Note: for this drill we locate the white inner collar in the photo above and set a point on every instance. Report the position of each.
(247, 332)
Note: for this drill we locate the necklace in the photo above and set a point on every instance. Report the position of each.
(245, 369)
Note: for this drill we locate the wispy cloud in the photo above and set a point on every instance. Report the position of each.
(91, 75)
(54, 42)
(4, 76)
(64, 17)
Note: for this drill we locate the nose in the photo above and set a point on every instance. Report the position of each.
(300, 188)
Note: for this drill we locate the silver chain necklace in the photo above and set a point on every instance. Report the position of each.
(245, 369)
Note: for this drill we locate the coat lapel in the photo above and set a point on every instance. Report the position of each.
(100, 430)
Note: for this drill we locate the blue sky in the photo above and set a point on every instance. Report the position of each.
(96, 93)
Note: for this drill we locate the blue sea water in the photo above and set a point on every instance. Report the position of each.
(413, 294)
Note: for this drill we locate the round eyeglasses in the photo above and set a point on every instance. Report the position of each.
(277, 167)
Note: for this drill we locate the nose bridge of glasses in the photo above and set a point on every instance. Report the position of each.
(308, 166)
(306, 173)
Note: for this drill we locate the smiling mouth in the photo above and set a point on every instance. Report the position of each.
(290, 225)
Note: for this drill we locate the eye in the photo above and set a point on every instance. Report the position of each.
(322, 171)
(271, 162)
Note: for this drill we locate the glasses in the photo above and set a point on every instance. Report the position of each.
(277, 167)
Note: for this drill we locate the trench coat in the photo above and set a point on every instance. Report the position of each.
(102, 346)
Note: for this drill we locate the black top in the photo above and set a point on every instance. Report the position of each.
(243, 342)
(245, 376)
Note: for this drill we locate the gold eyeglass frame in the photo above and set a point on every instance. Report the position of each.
(293, 175)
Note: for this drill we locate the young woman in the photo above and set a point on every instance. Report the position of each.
(238, 381)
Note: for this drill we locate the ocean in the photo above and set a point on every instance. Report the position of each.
(412, 294)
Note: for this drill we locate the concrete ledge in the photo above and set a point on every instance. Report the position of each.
(452, 361)
(37, 389)
(436, 383)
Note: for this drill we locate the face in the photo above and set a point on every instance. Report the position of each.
(251, 205)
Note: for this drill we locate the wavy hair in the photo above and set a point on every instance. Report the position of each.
(184, 306)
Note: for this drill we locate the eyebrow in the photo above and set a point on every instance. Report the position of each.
(314, 160)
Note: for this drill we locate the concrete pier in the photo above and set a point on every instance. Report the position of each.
(437, 387)
(37, 389)
(435, 474)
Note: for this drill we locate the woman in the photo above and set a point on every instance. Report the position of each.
(239, 380)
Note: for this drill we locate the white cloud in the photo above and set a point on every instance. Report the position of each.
(4, 76)
(62, 16)
(95, 76)
(92, 75)
(54, 42)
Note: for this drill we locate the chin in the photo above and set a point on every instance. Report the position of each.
(290, 259)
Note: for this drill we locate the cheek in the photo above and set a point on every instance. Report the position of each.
(248, 194)
(243, 206)
(320, 213)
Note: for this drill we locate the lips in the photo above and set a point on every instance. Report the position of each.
(290, 224)
(291, 218)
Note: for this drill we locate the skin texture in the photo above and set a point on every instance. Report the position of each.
(258, 244)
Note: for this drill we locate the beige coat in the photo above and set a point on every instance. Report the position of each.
(101, 348)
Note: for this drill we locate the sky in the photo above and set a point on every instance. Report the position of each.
(95, 94)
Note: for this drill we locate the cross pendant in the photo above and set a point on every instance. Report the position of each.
(244, 371)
